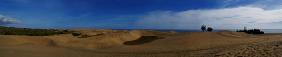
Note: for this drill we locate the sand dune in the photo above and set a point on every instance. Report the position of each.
(139, 43)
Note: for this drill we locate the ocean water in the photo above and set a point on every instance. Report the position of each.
(272, 30)
(264, 30)
(188, 30)
(167, 30)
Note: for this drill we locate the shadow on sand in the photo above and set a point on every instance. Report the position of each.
(142, 40)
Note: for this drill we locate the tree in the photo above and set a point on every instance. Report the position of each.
(203, 28)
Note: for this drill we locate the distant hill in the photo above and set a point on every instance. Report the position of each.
(30, 32)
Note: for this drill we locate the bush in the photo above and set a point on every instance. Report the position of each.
(209, 29)
(76, 34)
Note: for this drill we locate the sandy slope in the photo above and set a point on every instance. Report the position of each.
(110, 43)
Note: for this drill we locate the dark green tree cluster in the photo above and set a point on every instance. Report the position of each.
(30, 32)
(251, 31)
(204, 28)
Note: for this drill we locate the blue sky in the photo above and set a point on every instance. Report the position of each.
(141, 14)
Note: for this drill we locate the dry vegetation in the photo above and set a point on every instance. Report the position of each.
(30, 32)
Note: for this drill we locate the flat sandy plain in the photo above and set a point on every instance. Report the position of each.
(140, 43)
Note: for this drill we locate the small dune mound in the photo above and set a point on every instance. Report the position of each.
(131, 35)
(93, 40)
(142, 40)
(112, 39)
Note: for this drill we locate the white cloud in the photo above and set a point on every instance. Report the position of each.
(226, 18)
(7, 20)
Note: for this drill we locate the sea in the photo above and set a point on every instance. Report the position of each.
(272, 30)
(168, 30)
(264, 30)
